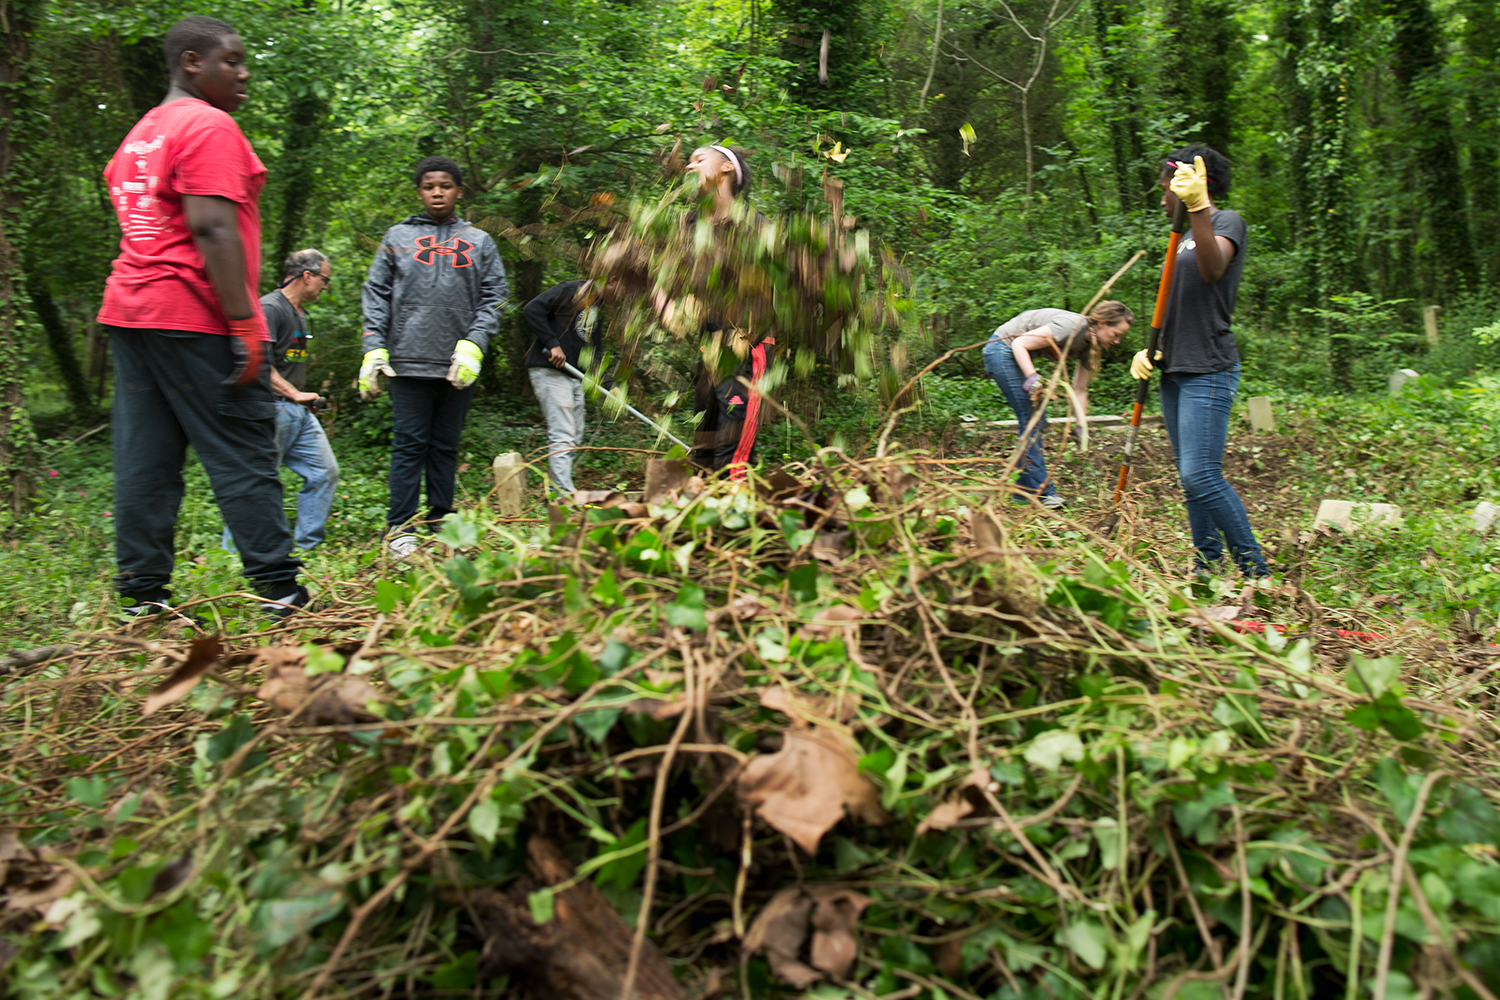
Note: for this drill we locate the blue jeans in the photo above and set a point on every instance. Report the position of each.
(1195, 409)
(302, 447)
(1000, 365)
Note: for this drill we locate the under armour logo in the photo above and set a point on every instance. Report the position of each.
(432, 249)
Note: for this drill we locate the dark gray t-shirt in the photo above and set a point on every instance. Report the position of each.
(1196, 335)
(1063, 325)
(289, 337)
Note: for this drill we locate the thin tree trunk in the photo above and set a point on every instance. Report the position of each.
(60, 342)
(17, 438)
(937, 34)
(1417, 64)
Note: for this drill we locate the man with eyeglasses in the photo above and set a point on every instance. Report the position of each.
(301, 444)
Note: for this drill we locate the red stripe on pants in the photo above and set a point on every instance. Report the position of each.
(741, 460)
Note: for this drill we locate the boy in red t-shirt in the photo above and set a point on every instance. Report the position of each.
(189, 342)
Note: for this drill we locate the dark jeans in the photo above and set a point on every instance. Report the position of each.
(168, 395)
(429, 419)
(1000, 365)
(1196, 411)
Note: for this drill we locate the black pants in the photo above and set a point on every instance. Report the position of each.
(429, 419)
(731, 414)
(169, 393)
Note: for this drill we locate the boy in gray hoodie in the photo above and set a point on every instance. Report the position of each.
(431, 304)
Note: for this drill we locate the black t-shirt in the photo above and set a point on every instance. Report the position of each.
(289, 337)
(1195, 332)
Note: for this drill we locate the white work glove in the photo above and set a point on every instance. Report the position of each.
(376, 363)
(467, 360)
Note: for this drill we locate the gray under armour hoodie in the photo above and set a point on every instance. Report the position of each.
(431, 285)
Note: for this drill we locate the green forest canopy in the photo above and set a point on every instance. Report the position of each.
(1363, 135)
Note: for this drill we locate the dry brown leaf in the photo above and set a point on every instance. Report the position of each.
(803, 789)
(803, 709)
(945, 816)
(835, 921)
(324, 700)
(779, 931)
(829, 620)
(741, 608)
(829, 546)
(203, 654)
(1223, 613)
(41, 893)
(656, 707)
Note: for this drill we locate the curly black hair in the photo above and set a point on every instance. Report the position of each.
(431, 164)
(1215, 162)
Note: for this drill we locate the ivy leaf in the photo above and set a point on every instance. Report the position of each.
(1381, 675)
(1051, 748)
(458, 533)
(484, 819)
(1088, 940)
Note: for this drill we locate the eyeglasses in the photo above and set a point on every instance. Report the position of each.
(327, 279)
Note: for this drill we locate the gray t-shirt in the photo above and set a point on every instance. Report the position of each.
(1196, 337)
(1063, 325)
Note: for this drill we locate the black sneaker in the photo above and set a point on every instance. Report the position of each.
(282, 608)
(156, 611)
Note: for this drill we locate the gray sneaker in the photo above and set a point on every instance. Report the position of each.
(1052, 500)
(402, 546)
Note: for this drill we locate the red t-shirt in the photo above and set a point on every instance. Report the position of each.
(159, 282)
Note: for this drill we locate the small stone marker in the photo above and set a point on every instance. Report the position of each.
(1349, 515)
(1429, 320)
(1260, 414)
(1485, 516)
(1400, 378)
(510, 478)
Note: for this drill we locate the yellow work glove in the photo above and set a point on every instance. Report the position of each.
(1140, 365)
(376, 363)
(467, 360)
(1190, 185)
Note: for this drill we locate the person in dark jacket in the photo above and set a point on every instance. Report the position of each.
(564, 319)
(431, 304)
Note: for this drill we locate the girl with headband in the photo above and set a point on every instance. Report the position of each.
(731, 413)
(1198, 357)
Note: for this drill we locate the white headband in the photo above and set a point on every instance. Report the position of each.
(739, 173)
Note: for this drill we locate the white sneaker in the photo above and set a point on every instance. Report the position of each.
(1052, 500)
(402, 546)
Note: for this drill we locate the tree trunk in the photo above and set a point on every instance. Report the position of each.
(17, 439)
(298, 170)
(1417, 64)
(1204, 63)
(1482, 104)
(60, 342)
(1120, 109)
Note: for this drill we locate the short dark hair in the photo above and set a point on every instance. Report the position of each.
(431, 164)
(303, 260)
(1215, 162)
(193, 34)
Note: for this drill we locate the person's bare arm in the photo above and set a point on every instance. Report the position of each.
(214, 223)
(282, 387)
(1212, 252)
